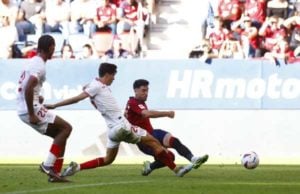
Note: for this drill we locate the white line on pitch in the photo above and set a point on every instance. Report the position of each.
(74, 186)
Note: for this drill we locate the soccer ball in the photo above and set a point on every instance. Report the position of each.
(250, 160)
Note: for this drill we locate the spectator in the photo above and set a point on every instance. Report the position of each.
(23, 26)
(218, 35)
(9, 9)
(117, 51)
(128, 16)
(247, 34)
(256, 10)
(82, 15)
(277, 8)
(29, 51)
(280, 51)
(116, 2)
(271, 32)
(229, 11)
(296, 42)
(231, 49)
(8, 35)
(105, 19)
(57, 15)
(88, 52)
(132, 16)
(35, 13)
(293, 24)
(67, 52)
(203, 52)
(294, 7)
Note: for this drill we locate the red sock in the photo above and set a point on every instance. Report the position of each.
(92, 163)
(58, 165)
(166, 159)
(171, 155)
(55, 150)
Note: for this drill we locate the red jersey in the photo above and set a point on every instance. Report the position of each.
(256, 10)
(252, 41)
(116, 2)
(226, 10)
(217, 37)
(130, 11)
(272, 36)
(105, 13)
(133, 113)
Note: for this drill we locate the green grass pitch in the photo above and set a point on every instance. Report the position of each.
(123, 179)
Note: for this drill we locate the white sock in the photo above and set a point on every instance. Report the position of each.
(50, 160)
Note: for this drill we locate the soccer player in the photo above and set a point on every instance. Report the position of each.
(137, 113)
(119, 129)
(32, 111)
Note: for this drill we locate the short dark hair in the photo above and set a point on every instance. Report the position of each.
(45, 42)
(107, 68)
(140, 82)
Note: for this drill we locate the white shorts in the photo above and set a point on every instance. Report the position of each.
(43, 114)
(124, 132)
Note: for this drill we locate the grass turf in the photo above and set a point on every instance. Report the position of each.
(119, 179)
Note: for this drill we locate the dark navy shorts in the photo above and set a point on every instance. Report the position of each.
(158, 134)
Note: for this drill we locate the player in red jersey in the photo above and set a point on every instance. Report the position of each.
(138, 114)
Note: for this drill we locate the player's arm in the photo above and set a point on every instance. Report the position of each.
(29, 90)
(69, 101)
(157, 114)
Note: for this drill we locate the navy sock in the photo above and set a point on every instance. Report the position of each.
(180, 148)
(156, 165)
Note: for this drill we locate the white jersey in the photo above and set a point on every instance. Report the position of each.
(105, 103)
(119, 128)
(35, 68)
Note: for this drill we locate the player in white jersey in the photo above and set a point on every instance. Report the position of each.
(32, 112)
(119, 129)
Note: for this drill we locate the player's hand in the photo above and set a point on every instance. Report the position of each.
(41, 99)
(33, 119)
(50, 106)
(171, 114)
(100, 24)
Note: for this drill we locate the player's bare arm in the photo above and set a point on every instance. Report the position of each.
(157, 114)
(32, 82)
(68, 101)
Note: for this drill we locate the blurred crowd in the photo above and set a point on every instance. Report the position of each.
(121, 23)
(117, 28)
(251, 29)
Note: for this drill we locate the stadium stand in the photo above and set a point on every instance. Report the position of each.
(172, 28)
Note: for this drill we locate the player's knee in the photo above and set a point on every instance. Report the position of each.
(67, 129)
(108, 160)
(168, 140)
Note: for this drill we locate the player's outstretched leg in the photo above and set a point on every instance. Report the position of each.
(198, 161)
(71, 169)
(185, 152)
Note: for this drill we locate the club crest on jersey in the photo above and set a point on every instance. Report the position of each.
(142, 106)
